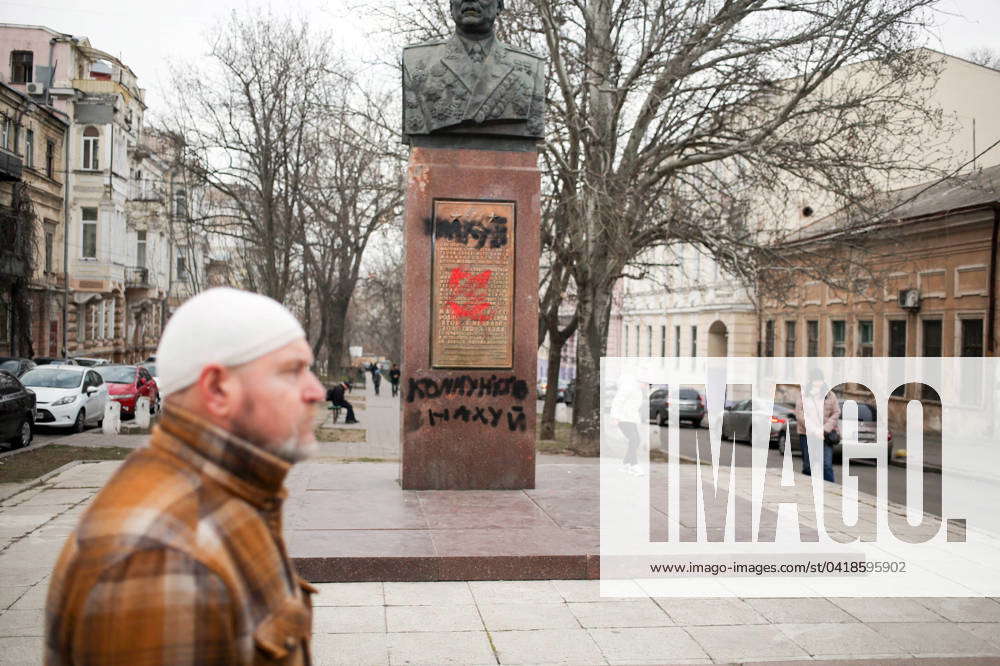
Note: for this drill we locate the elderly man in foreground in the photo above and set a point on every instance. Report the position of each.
(180, 558)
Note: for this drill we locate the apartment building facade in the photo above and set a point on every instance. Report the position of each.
(32, 225)
(694, 308)
(124, 223)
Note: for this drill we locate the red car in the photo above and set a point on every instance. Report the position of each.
(127, 383)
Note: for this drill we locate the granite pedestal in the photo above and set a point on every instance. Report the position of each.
(470, 312)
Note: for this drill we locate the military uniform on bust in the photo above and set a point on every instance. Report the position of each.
(473, 86)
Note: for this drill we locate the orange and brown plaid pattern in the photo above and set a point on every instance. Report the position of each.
(180, 560)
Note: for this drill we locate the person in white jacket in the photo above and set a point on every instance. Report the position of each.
(817, 413)
(626, 410)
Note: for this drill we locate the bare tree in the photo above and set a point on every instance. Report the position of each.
(354, 188)
(695, 121)
(248, 118)
(378, 307)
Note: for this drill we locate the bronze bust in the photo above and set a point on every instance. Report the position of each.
(472, 83)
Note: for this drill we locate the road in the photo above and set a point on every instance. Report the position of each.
(866, 474)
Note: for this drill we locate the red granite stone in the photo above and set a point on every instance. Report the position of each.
(459, 455)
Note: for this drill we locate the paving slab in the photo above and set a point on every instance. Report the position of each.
(350, 649)
(349, 594)
(800, 610)
(841, 639)
(515, 592)
(746, 643)
(349, 619)
(445, 647)
(963, 609)
(435, 594)
(648, 645)
(635, 613)
(877, 609)
(537, 615)
(547, 646)
(933, 638)
(433, 618)
(21, 650)
(704, 612)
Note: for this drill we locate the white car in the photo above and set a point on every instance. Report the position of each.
(67, 395)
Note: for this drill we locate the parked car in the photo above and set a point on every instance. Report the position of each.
(52, 360)
(151, 369)
(540, 390)
(569, 393)
(90, 362)
(737, 423)
(16, 366)
(17, 411)
(67, 396)
(127, 383)
(867, 425)
(691, 407)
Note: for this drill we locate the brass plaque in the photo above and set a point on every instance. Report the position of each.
(472, 302)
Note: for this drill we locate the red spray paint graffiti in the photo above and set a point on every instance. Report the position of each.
(468, 296)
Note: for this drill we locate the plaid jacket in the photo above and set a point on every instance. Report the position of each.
(180, 560)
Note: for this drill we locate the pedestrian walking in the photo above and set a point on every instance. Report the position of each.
(394, 379)
(336, 398)
(817, 413)
(376, 376)
(625, 413)
(180, 558)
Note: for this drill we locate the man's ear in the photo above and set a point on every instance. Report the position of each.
(216, 387)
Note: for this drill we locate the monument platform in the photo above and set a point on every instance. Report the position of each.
(352, 522)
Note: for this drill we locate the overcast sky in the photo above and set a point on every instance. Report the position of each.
(146, 35)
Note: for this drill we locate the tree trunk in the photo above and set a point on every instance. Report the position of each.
(548, 425)
(336, 329)
(593, 312)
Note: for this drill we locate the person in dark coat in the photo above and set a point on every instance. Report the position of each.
(394, 379)
(336, 398)
(376, 376)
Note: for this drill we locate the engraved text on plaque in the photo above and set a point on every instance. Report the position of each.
(473, 284)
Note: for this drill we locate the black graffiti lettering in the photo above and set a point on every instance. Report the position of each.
(462, 413)
(520, 423)
(496, 414)
(466, 385)
(414, 390)
(434, 417)
(480, 415)
(494, 233)
(520, 390)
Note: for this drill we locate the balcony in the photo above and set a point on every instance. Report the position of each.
(10, 166)
(145, 189)
(137, 277)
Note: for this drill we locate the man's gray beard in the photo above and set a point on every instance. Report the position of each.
(292, 450)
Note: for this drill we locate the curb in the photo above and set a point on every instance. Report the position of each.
(28, 485)
(928, 467)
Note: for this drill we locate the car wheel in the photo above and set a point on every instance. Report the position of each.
(24, 435)
(662, 418)
(780, 444)
(80, 423)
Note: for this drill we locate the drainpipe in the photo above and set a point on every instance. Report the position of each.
(991, 325)
(66, 226)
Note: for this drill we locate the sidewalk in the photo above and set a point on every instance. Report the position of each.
(514, 622)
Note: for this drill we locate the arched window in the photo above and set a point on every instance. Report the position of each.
(180, 203)
(91, 145)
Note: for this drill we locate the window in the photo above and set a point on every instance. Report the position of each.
(102, 319)
(649, 341)
(4, 321)
(838, 335)
(49, 243)
(677, 340)
(20, 66)
(694, 341)
(50, 158)
(81, 322)
(91, 147)
(897, 338)
(663, 341)
(789, 338)
(89, 233)
(180, 203)
(29, 148)
(111, 319)
(140, 249)
(972, 337)
(182, 275)
(6, 132)
(769, 337)
(931, 348)
(866, 338)
(624, 337)
(812, 338)
(932, 337)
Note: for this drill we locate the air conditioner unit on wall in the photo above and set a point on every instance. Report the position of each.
(35, 88)
(909, 299)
